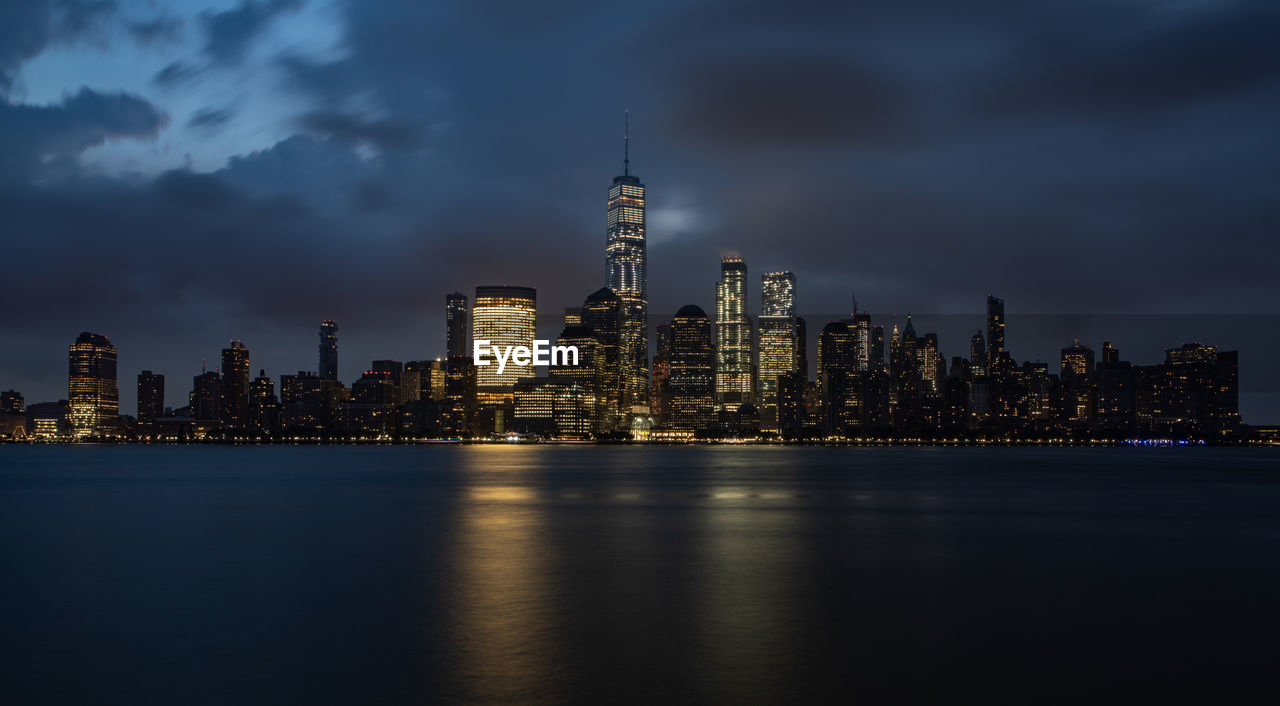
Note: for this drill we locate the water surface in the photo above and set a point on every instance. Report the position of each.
(591, 574)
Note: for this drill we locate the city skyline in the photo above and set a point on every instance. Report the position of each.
(735, 325)
(867, 385)
(243, 170)
(862, 325)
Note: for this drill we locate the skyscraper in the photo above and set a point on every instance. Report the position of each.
(328, 350)
(1077, 362)
(203, 399)
(504, 316)
(1078, 382)
(604, 314)
(930, 360)
(995, 331)
(264, 408)
(860, 328)
(692, 379)
(394, 371)
(877, 348)
(837, 371)
(461, 396)
(778, 349)
(1109, 353)
(233, 397)
(455, 321)
(625, 274)
(660, 384)
(11, 402)
(977, 355)
(92, 396)
(150, 397)
(733, 335)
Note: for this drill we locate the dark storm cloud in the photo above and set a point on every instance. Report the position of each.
(158, 30)
(788, 101)
(31, 134)
(1144, 65)
(229, 34)
(175, 73)
(27, 27)
(385, 134)
(228, 37)
(211, 118)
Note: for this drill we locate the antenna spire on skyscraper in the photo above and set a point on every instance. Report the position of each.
(626, 142)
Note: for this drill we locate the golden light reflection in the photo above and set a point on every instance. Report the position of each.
(503, 612)
(748, 562)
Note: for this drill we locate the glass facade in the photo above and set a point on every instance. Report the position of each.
(455, 316)
(733, 335)
(233, 401)
(778, 348)
(504, 316)
(92, 396)
(995, 331)
(625, 274)
(692, 380)
(328, 350)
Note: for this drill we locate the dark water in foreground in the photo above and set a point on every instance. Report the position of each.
(365, 575)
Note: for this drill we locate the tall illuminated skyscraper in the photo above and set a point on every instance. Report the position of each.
(778, 294)
(233, 397)
(455, 319)
(733, 335)
(778, 349)
(504, 316)
(603, 313)
(93, 400)
(328, 350)
(837, 377)
(626, 275)
(995, 331)
(692, 378)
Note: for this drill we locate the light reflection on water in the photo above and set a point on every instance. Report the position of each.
(523, 574)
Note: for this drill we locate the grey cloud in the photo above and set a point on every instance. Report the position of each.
(211, 118)
(31, 134)
(230, 33)
(27, 27)
(175, 73)
(158, 30)
(746, 103)
(1141, 66)
(383, 133)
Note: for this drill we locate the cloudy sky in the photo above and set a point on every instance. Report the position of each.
(177, 174)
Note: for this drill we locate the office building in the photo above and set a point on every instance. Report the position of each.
(203, 399)
(150, 397)
(503, 316)
(692, 378)
(92, 396)
(778, 349)
(456, 343)
(233, 401)
(328, 350)
(733, 335)
(995, 331)
(626, 275)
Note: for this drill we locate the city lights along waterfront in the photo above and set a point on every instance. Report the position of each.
(734, 375)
